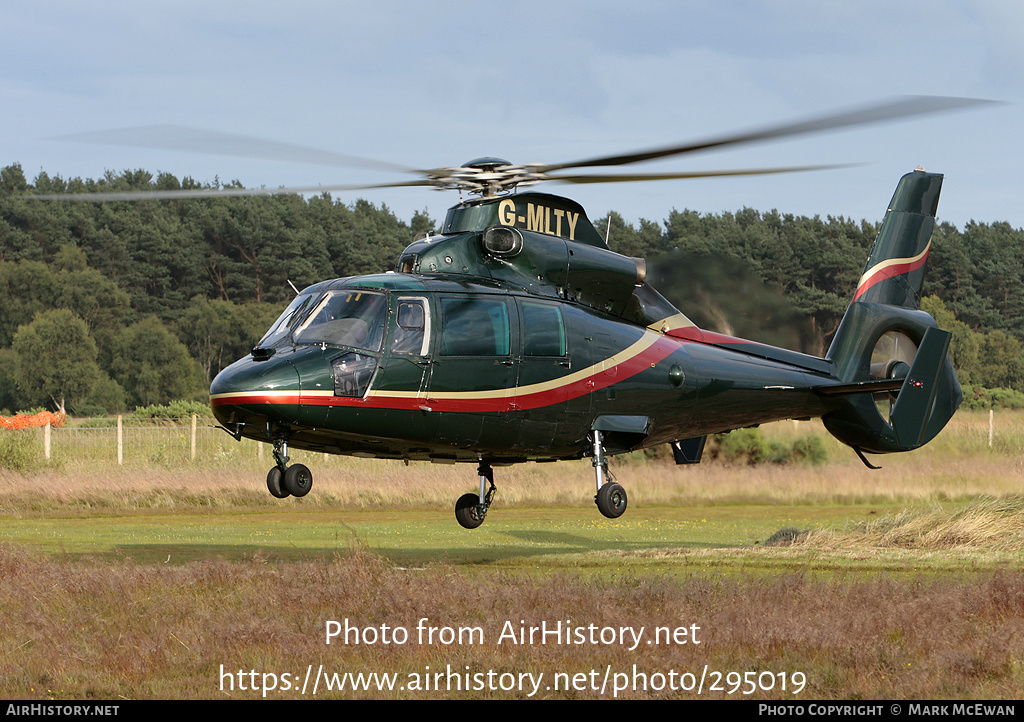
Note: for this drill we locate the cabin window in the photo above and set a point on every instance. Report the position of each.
(543, 330)
(474, 327)
(346, 318)
(411, 327)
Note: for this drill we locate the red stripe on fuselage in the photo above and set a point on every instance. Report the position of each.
(255, 397)
(692, 333)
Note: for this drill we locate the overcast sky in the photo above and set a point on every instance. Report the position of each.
(427, 84)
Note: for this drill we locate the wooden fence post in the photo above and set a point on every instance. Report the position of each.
(120, 442)
(193, 440)
(46, 442)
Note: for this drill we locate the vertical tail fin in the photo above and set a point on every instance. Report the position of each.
(883, 330)
(895, 268)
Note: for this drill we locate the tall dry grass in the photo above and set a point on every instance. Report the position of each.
(80, 630)
(991, 524)
(367, 484)
(958, 465)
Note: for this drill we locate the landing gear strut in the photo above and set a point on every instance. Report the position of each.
(471, 509)
(284, 480)
(611, 497)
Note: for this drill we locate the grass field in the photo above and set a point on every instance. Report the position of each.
(166, 578)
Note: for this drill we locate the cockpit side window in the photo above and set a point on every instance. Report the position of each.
(412, 327)
(346, 318)
(352, 374)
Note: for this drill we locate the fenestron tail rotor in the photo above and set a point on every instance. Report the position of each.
(485, 176)
(891, 358)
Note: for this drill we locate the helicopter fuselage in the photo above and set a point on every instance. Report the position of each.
(484, 371)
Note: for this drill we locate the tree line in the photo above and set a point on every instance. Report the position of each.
(106, 306)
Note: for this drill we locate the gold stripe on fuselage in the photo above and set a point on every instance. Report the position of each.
(650, 336)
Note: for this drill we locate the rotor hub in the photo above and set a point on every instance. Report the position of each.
(487, 176)
(487, 163)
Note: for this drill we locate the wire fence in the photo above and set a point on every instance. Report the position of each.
(168, 442)
(178, 441)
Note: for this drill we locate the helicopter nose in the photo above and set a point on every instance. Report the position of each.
(253, 392)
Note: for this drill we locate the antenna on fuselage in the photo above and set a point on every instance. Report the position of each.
(293, 286)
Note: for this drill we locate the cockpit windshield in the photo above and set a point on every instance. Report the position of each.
(287, 321)
(345, 318)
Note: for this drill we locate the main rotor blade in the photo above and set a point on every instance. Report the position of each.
(890, 110)
(629, 178)
(211, 142)
(101, 196)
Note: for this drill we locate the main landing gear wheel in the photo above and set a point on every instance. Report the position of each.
(275, 477)
(611, 497)
(298, 480)
(611, 500)
(469, 511)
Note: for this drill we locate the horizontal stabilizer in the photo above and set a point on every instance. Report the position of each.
(859, 387)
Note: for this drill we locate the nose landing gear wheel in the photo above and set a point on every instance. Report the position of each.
(611, 500)
(275, 478)
(298, 480)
